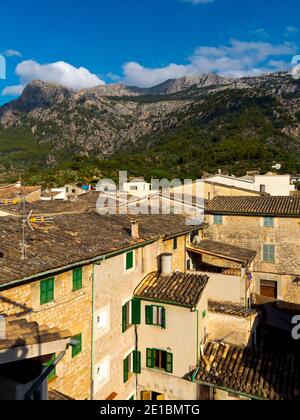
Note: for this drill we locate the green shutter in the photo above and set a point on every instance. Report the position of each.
(52, 374)
(137, 368)
(129, 260)
(126, 370)
(78, 348)
(47, 291)
(169, 367)
(136, 312)
(124, 318)
(163, 324)
(77, 279)
(150, 358)
(149, 315)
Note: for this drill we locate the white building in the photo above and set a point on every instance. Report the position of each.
(272, 184)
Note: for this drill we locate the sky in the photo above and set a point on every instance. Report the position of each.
(84, 43)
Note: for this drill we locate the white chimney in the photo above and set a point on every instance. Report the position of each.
(18, 184)
(166, 264)
(135, 229)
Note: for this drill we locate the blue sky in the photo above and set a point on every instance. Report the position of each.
(82, 43)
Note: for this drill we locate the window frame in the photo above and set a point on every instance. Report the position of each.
(149, 316)
(218, 219)
(150, 360)
(131, 314)
(49, 292)
(132, 364)
(129, 267)
(76, 350)
(77, 279)
(267, 254)
(269, 222)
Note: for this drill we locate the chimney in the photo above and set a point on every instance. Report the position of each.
(166, 265)
(18, 184)
(135, 229)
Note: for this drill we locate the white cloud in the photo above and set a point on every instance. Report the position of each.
(236, 60)
(12, 53)
(13, 90)
(59, 72)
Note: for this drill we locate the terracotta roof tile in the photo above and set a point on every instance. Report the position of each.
(73, 238)
(263, 375)
(179, 288)
(228, 251)
(266, 206)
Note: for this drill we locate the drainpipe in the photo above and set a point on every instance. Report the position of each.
(92, 338)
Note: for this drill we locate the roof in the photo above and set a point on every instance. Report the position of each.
(265, 206)
(245, 256)
(180, 289)
(11, 191)
(263, 375)
(83, 203)
(73, 239)
(21, 333)
(227, 308)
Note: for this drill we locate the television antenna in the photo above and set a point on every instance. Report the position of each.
(30, 220)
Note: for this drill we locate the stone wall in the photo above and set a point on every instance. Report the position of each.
(69, 311)
(248, 232)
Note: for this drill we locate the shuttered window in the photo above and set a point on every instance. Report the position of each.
(175, 244)
(156, 315)
(131, 314)
(269, 222)
(47, 291)
(159, 359)
(77, 279)
(132, 364)
(218, 219)
(129, 260)
(269, 253)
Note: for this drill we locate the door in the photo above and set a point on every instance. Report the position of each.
(268, 289)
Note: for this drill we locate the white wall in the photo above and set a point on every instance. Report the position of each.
(276, 185)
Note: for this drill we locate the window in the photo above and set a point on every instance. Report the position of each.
(78, 348)
(159, 359)
(269, 222)
(102, 320)
(218, 219)
(52, 374)
(77, 279)
(103, 371)
(132, 364)
(269, 289)
(156, 315)
(129, 260)
(175, 244)
(269, 253)
(47, 291)
(131, 314)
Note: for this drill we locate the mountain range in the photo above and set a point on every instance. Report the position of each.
(182, 127)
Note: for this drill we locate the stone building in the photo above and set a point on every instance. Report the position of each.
(79, 275)
(270, 226)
